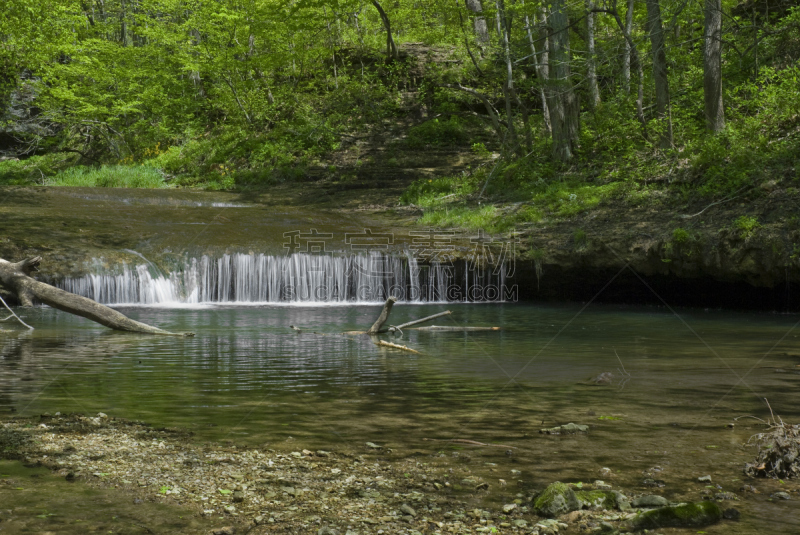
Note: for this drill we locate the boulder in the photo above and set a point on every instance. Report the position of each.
(557, 499)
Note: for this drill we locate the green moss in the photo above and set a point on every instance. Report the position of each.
(688, 515)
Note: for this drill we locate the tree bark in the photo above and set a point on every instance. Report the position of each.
(660, 71)
(391, 47)
(479, 22)
(712, 66)
(15, 277)
(591, 66)
(560, 95)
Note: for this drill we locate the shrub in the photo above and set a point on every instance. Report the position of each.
(747, 225)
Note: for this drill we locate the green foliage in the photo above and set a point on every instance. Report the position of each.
(450, 131)
(680, 235)
(110, 176)
(746, 225)
(35, 169)
(579, 238)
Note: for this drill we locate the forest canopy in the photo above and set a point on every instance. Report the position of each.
(240, 90)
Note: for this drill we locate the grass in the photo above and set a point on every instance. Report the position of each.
(110, 176)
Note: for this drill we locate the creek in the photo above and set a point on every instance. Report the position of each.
(679, 379)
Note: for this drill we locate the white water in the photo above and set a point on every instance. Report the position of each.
(299, 278)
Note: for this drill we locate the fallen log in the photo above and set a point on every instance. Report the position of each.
(16, 278)
(455, 328)
(394, 328)
(396, 346)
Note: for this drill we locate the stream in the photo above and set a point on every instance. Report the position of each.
(679, 379)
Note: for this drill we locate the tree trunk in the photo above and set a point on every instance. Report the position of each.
(508, 90)
(660, 71)
(479, 22)
(636, 59)
(712, 66)
(387, 309)
(16, 279)
(591, 66)
(626, 63)
(560, 96)
(391, 48)
(541, 71)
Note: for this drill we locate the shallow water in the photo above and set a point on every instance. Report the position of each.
(679, 380)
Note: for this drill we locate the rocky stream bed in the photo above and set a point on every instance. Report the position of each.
(255, 490)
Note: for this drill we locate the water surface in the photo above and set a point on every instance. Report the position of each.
(679, 380)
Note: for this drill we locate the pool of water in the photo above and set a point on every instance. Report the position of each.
(679, 379)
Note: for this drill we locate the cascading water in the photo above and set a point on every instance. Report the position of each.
(298, 278)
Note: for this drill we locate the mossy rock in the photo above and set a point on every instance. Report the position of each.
(597, 499)
(556, 499)
(687, 515)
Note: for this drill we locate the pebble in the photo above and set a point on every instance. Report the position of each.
(781, 496)
(704, 479)
(650, 501)
(507, 508)
(408, 510)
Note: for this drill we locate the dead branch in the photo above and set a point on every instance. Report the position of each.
(387, 309)
(396, 346)
(468, 442)
(16, 278)
(448, 328)
(394, 328)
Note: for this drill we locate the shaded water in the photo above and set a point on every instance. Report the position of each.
(247, 377)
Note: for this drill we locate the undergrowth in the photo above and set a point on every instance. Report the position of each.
(110, 176)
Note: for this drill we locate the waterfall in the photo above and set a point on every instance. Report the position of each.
(260, 278)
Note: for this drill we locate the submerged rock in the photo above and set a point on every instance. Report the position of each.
(687, 515)
(566, 429)
(597, 499)
(650, 501)
(556, 499)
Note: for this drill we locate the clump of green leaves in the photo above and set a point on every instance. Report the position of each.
(746, 225)
(680, 235)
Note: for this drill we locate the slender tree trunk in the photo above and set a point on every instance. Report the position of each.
(541, 73)
(560, 96)
(591, 65)
(636, 60)
(479, 22)
(508, 90)
(712, 66)
(660, 71)
(391, 47)
(626, 62)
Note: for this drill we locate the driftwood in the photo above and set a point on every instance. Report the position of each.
(16, 278)
(455, 328)
(468, 442)
(396, 346)
(387, 309)
(394, 328)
